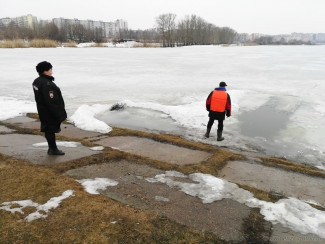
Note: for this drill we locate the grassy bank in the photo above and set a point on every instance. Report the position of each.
(83, 218)
(36, 43)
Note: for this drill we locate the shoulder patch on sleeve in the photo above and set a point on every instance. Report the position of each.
(35, 88)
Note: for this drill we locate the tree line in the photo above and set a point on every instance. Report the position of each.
(69, 32)
(192, 30)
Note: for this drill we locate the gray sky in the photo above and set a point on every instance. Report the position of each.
(250, 16)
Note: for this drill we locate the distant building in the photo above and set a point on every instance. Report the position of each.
(109, 29)
(26, 21)
(319, 38)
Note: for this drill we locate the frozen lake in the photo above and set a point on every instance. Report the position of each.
(277, 92)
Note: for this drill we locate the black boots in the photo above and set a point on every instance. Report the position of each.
(220, 138)
(55, 151)
(219, 133)
(207, 134)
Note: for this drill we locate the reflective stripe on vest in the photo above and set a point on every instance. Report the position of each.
(218, 101)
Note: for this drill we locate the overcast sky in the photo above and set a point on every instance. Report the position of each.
(249, 16)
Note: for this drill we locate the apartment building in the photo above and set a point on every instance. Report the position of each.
(26, 21)
(109, 29)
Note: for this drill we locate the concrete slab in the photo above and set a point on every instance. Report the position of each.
(155, 150)
(21, 146)
(19, 120)
(287, 183)
(284, 235)
(5, 129)
(68, 130)
(224, 218)
(74, 132)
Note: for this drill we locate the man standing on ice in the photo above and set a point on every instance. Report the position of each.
(50, 105)
(218, 104)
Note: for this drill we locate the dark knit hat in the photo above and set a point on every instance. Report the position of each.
(43, 66)
(222, 84)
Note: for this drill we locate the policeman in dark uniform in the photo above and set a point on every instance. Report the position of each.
(50, 105)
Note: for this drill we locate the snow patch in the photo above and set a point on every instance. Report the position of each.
(59, 143)
(53, 203)
(12, 107)
(93, 185)
(99, 148)
(292, 213)
(84, 118)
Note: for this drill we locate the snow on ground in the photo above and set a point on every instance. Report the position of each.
(53, 203)
(176, 82)
(292, 213)
(13, 107)
(84, 118)
(58, 143)
(99, 148)
(93, 185)
(127, 44)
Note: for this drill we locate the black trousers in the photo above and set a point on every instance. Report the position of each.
(220, 124)
(50, 137)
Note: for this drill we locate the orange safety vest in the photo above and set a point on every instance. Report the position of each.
(218, 101)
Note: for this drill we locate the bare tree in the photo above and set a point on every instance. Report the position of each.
(166, 28)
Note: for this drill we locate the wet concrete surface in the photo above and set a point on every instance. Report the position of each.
(282, 235)
(68, 130)
(155, 150)
(5, 129)
(21, 146)
(275, 180)
(224, 218)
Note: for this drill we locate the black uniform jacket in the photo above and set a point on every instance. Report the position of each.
(50, 103)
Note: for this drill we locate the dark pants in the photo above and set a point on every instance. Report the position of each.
(220, 124)
(50, 137)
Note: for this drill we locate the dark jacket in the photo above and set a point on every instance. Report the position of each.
(219, 115)
(50, 103)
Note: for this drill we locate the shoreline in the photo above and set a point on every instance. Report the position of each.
(122, 161)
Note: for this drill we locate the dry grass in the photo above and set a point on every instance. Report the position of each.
(41, 43)
(172, 139)
(69, 44)
(255, 228)
(16, 43)
(250, 44)
(262, 195)
(83, 218)
(36, 43)
(146, 45)
(295, 167)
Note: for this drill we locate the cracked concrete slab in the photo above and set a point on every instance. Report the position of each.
(282, 235)
(224, 218)
(21, 146)
(155, 150)
(276, 180)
